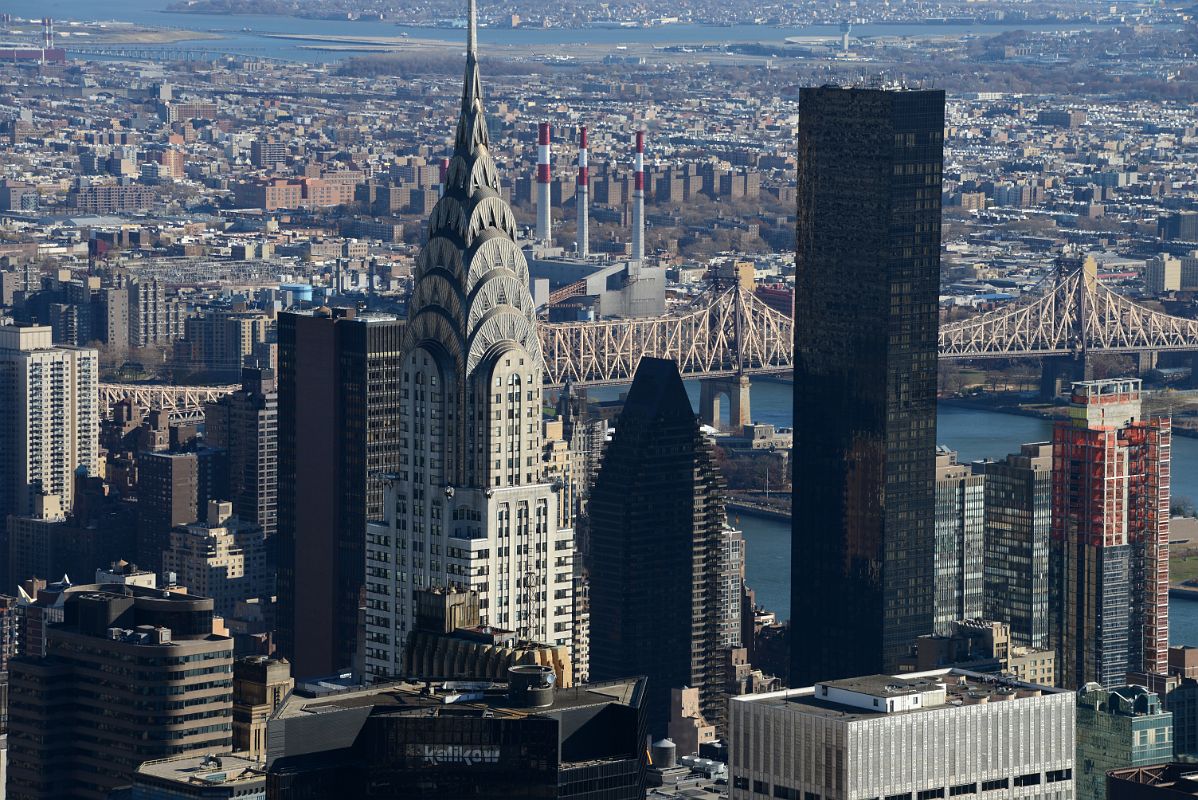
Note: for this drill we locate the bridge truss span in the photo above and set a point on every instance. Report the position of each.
(729, 332)
(173, 399)
(1073, 313)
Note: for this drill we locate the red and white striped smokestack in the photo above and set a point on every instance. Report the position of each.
(583, 196)
(638, 200)
(544, 229)
(443, 176)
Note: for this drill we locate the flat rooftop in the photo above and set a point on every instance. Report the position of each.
(912, 693)
(455, 698)
(206, 770)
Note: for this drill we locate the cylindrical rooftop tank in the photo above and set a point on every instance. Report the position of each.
(664, 754)
(531, 685)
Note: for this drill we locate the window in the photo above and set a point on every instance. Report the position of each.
(1058, 775)
(760, 787)
(964, 788)
(1032, 779)
(929, 794)
(999, 783)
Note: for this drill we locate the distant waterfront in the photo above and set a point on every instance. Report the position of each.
(240, 33)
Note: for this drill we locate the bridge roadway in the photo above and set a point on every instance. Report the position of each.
(727, 335)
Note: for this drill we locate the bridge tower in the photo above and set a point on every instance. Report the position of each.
(739, 277)
(1057, 373)
(736, 387)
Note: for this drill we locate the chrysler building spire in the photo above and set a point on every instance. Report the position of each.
(470, 506)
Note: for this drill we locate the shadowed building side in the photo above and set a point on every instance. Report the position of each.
(658, 551)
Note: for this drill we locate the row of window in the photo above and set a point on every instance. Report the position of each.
(1030, 779)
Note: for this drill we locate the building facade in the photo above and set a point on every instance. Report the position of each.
(153, 319)
(661, 598)
(1018, 526)
(867, 274)
(259, 686)
(1121, 727)
(245, 424)
(49, 418)
(468, 503)
(130, 675)
(1182, 703)
(222, 558)
(959, 557)
(173, 489)
(339, 433)
(947, 733)
(1109, 564)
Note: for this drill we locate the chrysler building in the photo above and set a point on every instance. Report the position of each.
(470, 505)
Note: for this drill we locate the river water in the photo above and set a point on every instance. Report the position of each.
(241, 33)
(974, 434)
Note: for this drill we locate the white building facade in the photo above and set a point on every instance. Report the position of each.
(918, 736)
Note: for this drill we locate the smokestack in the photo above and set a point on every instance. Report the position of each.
(582, 198)
(47, 36)
(444, 173)
(544, 229)
(638, 200)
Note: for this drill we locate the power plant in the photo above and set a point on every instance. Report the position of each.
(582, 285)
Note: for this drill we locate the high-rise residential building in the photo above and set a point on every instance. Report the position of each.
(49, 418)
(1109, 559)
(1018, 526)
(219, 340)
(153, 319)
(1124, 726)
(222, 558)
(245, 424)
(130, 675)
(268, 153)
(658, 541)
(259, 686)
(339, 434)
(941, 734)
(958, 561)
(112, 325)
(529, 739)
(173, 489)
(867, 277)
(469, 503)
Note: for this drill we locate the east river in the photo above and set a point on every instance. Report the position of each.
(973, 434)
(244, 33)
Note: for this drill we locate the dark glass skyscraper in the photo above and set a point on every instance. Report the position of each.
(338, 433)
(867, 273)
(661, 552)
(1018, 522)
